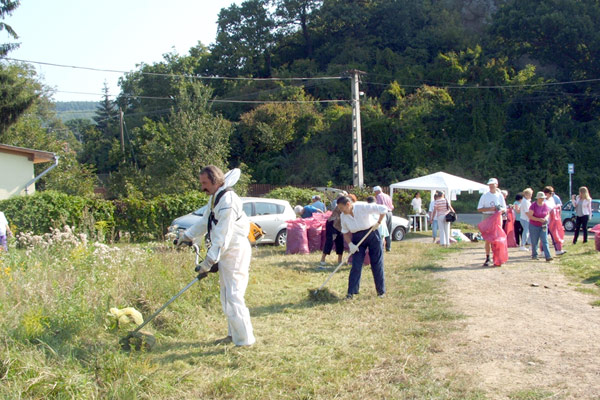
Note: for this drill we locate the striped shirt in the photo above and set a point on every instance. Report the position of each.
(440, 207)
(384, 199)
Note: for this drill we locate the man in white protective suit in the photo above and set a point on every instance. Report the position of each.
(227, 226)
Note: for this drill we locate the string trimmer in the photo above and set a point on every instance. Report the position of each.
(139, 339)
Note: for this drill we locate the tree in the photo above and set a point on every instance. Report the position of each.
(19, 90)
(244, 41)
(6, 8)
(291, 13)
(172, 152)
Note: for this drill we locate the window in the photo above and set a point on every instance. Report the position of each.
(595, 206)
(568, 206)
(267, 208)
(248, 209)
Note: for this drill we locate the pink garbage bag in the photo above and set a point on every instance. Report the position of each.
(491, 227)
(596, 230)
(491, 231)
(297, 239)
(315, 230)
(556, 229)
(509, 227)
(500, 251)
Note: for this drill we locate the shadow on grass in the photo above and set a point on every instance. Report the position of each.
(592, 279)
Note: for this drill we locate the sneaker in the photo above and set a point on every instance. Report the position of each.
(381, 296)
(487, 262)
(560, 252)
(534, 258)
(523, 248)
(549, 259)
(349, 296)
(322, 263)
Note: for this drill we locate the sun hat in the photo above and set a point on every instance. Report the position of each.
(492, 181)
(540, 195)
(377, 189)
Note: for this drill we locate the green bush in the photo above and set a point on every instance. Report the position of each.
(100, 219)
(294, 195)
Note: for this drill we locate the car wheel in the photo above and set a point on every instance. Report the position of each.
(569, 225)
(398, 234)
(281, 238)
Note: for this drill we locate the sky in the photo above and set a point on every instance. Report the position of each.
(107, 34)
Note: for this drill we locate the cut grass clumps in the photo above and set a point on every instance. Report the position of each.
(324, 295)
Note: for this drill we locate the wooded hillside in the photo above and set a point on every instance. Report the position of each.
(474, 88)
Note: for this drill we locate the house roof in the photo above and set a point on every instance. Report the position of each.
(37, 156)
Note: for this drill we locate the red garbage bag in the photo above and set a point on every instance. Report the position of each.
(314, 232)
(510, 228)
(556, 229)
(491, 227)
(297, 239)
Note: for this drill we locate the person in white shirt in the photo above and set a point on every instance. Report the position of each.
(4, 231)
(583, 211)
(416, 207)
(489, 203)
(357, 219)
(525, 204)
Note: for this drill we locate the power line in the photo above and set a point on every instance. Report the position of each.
(176, 75)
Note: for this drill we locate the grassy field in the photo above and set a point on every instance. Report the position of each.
(57, 341)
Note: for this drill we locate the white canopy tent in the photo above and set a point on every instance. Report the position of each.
(449, 184)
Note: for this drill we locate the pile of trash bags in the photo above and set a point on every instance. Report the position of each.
(305, 235)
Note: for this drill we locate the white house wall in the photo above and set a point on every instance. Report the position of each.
(15, 172)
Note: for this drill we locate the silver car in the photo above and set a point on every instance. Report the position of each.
(270, 214)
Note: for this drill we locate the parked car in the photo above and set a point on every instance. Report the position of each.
(270, 214)
(399, 227)
(567, 214)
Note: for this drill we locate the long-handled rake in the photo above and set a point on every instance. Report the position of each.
(139, 339)
(316, 292)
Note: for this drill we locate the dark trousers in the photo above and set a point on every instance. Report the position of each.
(388, 223)
(373, 243)
(329, 240)
(581, 222)
(518, 232)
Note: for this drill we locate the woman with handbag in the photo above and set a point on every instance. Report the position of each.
(441, 209)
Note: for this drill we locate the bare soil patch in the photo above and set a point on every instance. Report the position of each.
(526, 329)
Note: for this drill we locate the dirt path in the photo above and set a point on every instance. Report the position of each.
(527, 329)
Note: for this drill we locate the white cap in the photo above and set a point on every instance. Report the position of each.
(298, 209)
(540, 195)
(492, 181)
(377, 189)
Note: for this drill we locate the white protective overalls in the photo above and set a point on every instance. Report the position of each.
(231, 249)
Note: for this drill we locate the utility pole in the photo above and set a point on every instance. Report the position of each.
(357, 162)
(122, 138)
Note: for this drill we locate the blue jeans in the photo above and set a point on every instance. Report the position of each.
(538, 233)
(525, 240)
(434, 228)
(374, 244)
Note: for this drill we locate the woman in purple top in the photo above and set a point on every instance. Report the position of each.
(538, 226)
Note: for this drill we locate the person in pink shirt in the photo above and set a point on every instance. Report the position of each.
(386, 200)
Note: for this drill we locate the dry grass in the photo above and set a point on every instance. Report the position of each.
(360, 349)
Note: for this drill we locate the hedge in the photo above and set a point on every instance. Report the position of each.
(139, 219)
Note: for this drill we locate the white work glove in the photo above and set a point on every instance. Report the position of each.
(204, 266)
(353, 248)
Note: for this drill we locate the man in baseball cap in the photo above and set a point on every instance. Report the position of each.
(489, 203)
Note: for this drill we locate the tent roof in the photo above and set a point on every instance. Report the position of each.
(441, 181)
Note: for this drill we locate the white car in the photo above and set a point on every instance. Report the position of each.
(270, 214)
(399, 227)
